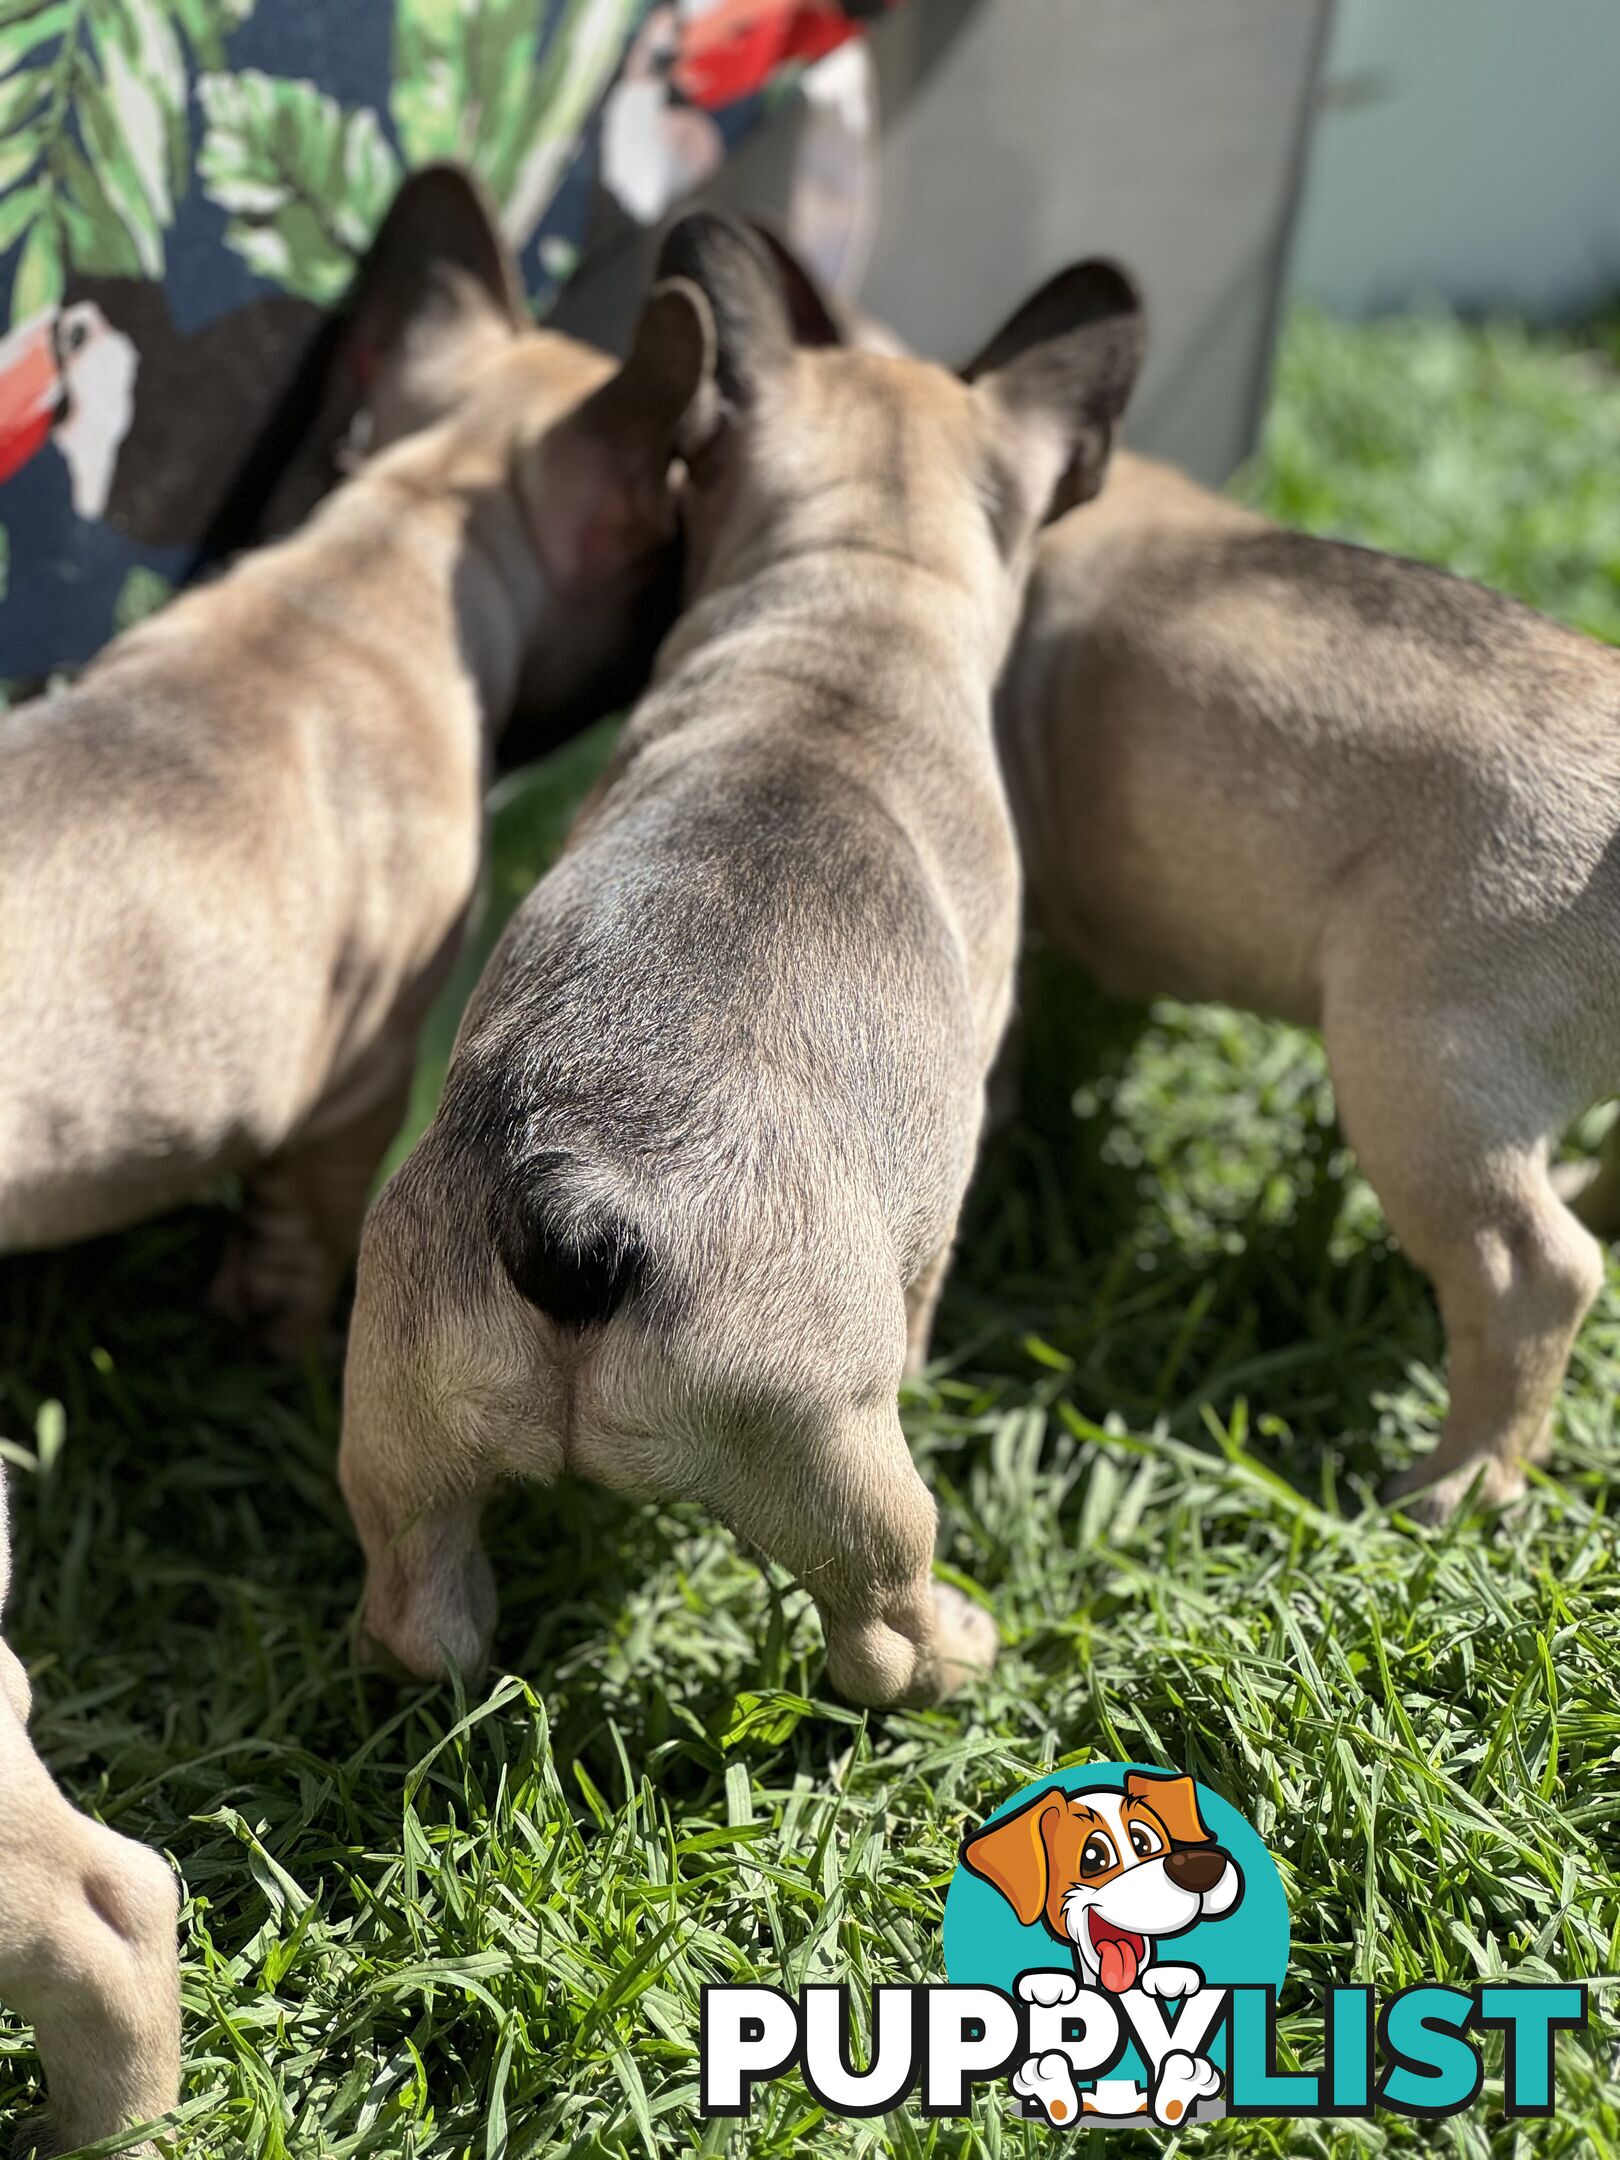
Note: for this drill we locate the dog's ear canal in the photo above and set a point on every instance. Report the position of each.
(1175, 1801)
(730, 267)
(1057, 378)
(1011, 1856)
(600, 491)
(437, 288)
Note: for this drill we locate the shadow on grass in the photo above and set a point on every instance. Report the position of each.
(1164, 1228)
(208, 1474)
(1171, 1277)
(1066, 1244)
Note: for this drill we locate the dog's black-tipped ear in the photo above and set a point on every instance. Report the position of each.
(1086, 294)
(440, 224)
(822, 319)
(818, 319)
(730, 267)
(600, 494)
(437, 287)
(1060, 374)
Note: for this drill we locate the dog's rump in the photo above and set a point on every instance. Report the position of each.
(690, 1044)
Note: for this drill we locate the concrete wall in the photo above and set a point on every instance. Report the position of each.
(1166, 132)
(1019, 134)
(1466, 149)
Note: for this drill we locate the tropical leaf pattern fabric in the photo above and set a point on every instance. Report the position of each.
(480, 85)
(95, 143)
(229, 159)
(305, 184)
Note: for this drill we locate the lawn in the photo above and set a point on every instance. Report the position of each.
(1177, 1356)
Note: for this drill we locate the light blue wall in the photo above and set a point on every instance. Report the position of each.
(1468, 149)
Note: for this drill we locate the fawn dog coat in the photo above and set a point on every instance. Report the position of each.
(714, 1104)
(87, 1948)
(1352, 791)
(236, 859)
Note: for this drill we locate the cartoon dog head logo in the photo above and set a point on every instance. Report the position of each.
(1116, 1907)
(1110, 1873)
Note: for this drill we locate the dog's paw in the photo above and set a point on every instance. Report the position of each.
(965, 1638)
(1049, 1989)
(1183, 2081)
(1432, 1504)
(1170, 1982)
(1048, 2081)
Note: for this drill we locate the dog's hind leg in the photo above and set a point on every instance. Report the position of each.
(87, 1957)
(301, 1218)
(445, 1394)
(922, 1302)
(1462, 1173)
(841, 1504)
(1591, 1189)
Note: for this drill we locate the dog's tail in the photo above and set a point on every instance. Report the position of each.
(567, 1246)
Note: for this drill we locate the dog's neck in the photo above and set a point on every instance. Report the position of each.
(876, 631)
(848, 553)
(468, 553)
(441, 580)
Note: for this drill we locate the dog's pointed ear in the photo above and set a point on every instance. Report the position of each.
(1175, 1801)
(817, 319)
(1057, 378)
(437, 289)
(1011, 1855)
(730, 267)
(598, 487)
(822, 319)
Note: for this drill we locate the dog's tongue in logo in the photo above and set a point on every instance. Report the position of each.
(1119, 1953)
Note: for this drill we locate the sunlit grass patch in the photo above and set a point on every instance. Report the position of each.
(1177, 1356)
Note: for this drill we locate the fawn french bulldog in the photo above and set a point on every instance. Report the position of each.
(697, 1169)
(237, 858)
(1348, 790)
(87, 1943)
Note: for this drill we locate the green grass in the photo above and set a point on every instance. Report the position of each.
(1177, 1355)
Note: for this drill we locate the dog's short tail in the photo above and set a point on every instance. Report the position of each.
(571, 1252)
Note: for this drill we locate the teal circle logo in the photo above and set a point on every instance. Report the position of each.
(1114, 1884)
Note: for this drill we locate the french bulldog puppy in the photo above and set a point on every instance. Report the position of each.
(714, 1103)
(87, 1943)
(236, 860)
(1354, 792)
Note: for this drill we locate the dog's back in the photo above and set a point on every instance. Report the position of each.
(709, 1113)
(195, 840)
(1329, 784)
(719, 1090)
(1218, 732)
(236, 860)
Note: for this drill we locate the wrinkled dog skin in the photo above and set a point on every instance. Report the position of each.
(236, 860)
(1351, 791)
(87, 1944)
(698, 1165)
